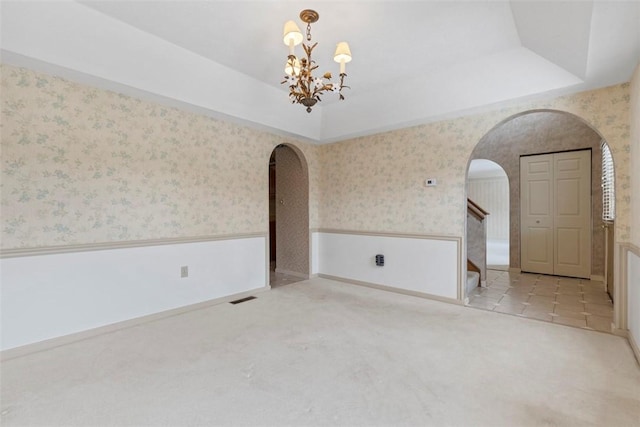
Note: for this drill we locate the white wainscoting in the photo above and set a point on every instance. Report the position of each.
(429, 265)
(315, 253)
(53, 295)
(633, 298)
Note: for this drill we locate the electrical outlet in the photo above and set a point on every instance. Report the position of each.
(184, 271)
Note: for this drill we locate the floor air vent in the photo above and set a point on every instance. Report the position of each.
(238, 301)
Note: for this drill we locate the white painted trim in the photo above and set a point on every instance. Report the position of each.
(392, 289)
(619, 332)
(36, 347)
(462, 269)
(620, 315)
(63, 249)
(386, 234)
(621, 291)
(267, 259)
(634, 347)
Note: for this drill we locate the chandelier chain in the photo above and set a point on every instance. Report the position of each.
(309, 32)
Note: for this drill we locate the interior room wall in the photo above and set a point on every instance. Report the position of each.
(634, 119)
(544, 132)
(83, 165)
(633, 272)
(376, 184)
(86, 166)
(85, 169)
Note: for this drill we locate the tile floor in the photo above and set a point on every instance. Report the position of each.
(575, 302)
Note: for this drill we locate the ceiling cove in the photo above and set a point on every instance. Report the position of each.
(414, 61)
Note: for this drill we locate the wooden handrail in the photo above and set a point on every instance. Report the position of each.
(476, 210)
(472, 267)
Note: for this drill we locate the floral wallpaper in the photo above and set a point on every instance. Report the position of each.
(635, 156)
(83, 165)
(376, 183)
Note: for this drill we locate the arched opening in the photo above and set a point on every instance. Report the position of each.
(288, 216)
(572, 299)
(488, 186)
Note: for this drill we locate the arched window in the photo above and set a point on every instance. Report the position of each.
(608, 185)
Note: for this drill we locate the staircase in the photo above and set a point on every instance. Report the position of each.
(476, 245)
(473, 281)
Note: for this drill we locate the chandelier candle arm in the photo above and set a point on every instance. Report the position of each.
(304, 88)
(342, 55)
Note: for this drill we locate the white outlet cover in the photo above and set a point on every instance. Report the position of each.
(430, 182)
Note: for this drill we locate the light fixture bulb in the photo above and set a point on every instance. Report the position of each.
(292, 68)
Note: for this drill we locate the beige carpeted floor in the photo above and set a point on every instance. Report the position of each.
(324, 353)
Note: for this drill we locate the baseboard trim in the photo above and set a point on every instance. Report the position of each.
(392, 289)
(24, 350)
(597, 278)
(292, 273)
(620, 332)
(634, 347)
(514, 270)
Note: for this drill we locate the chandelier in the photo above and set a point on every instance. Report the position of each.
(304, 88)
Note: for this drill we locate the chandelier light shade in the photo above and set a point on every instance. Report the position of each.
(292, 35)
(304, 87)
(292, 68)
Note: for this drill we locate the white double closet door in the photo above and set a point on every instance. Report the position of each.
(555, 213)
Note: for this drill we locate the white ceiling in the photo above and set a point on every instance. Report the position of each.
(413, 62)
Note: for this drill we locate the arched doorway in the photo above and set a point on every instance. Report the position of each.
(288, 216)
(544, 132)
(488, 186)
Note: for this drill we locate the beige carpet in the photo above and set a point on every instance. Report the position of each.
(324, 353)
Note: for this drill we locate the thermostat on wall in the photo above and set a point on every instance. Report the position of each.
(430, 182)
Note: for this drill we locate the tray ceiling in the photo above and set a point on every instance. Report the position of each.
(413, 62)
